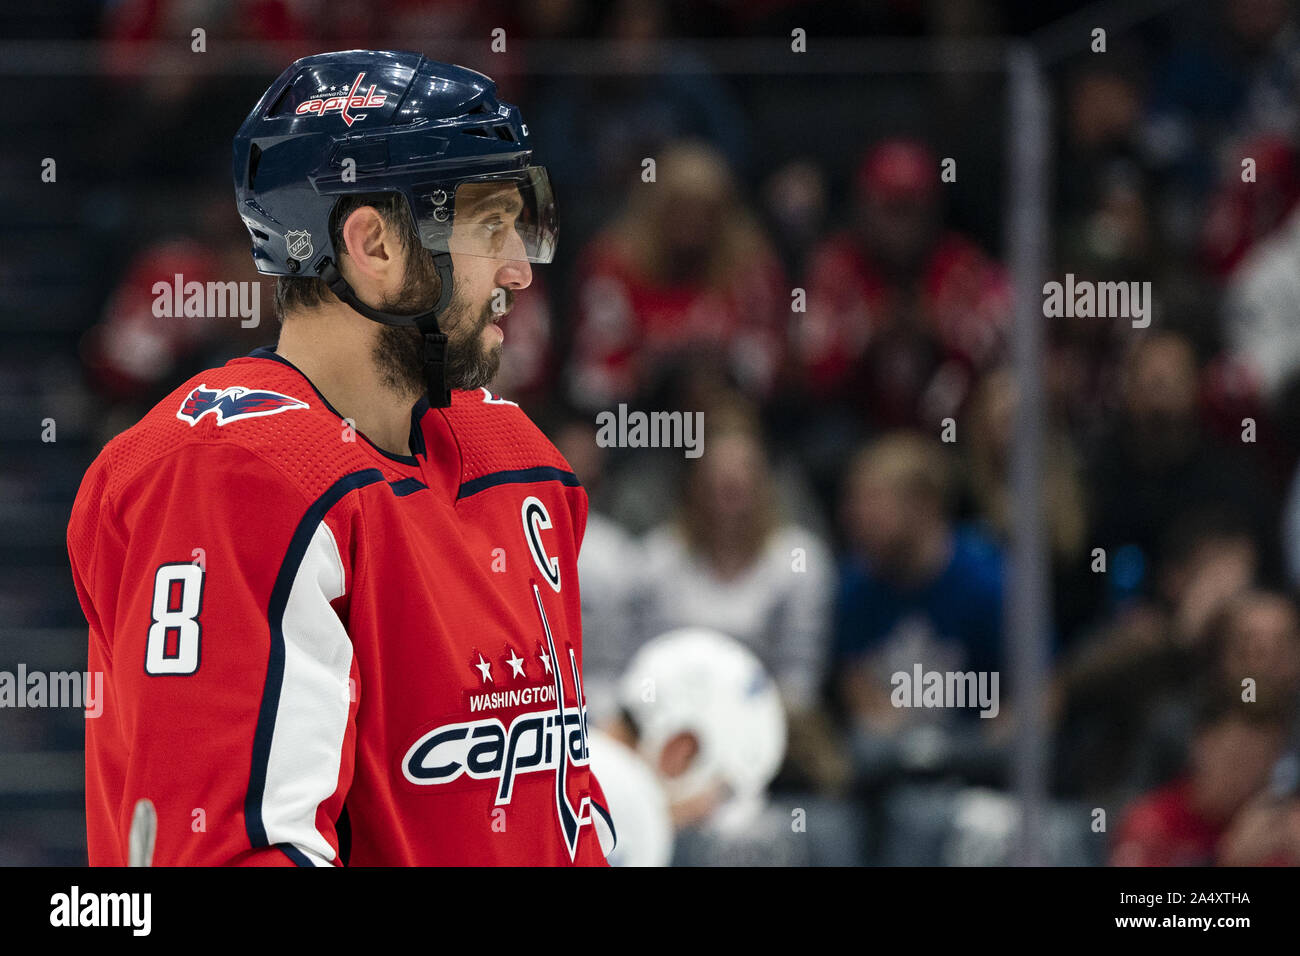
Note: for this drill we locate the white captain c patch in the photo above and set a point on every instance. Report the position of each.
(536, 520)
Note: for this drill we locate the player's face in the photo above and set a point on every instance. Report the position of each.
(488, 265)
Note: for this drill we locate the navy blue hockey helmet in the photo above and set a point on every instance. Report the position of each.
(364, 121)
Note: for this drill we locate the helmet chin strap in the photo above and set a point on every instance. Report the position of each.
(435, 340)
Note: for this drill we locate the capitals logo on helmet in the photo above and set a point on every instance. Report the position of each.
(378, 121)
(326, 103)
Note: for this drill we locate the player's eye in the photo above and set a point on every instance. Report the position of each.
(497, 230)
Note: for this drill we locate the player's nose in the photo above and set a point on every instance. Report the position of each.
(515, 274)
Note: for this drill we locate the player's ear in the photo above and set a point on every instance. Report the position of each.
(373, 247)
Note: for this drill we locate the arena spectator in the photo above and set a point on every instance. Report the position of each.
(1264, 833)
(1261, 309)
(795, 199)
(731, 562)
(902, 313)
(1125, 694)
(987, 460)
(1157, 463)
(1231, 77)
(142, 345)
(1259, 642)
(1245, 210)
(915, 588)
(686, 269)
(1183, 822)
(597, 128)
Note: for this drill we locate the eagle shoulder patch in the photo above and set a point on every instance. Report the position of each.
(233, 403)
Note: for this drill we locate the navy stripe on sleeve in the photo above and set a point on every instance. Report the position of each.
(292, 852)
(519, 476)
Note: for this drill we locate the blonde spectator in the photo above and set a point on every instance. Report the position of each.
(685, 268)
(730, 562)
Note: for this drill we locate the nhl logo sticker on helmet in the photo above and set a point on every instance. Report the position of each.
(298, 242)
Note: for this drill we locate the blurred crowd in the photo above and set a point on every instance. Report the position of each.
(842, 317)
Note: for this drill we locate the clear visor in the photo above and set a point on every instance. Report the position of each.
(502, 216)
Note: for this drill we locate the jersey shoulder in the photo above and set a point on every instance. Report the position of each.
(260, 404)
(495, 436)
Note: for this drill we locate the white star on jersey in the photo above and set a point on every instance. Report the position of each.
(546, 661)
(485, 669)
(516, 664)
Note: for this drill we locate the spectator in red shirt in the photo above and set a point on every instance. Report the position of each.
(1181, 824)
(902, 313)
(685, 270)
(1244, 211)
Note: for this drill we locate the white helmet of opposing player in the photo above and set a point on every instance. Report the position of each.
(702, 682)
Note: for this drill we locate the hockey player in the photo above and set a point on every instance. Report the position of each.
(700, 715)
(332, 585)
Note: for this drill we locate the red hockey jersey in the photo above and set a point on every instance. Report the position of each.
(316, 652)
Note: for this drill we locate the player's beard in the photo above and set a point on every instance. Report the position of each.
(399, 350)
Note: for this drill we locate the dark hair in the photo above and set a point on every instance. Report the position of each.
(306, 292)
(1199, 525)
(1216, 707)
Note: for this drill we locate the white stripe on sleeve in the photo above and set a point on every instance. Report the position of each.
(312, 717)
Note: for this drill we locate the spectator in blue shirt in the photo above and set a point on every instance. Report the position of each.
(915, 588)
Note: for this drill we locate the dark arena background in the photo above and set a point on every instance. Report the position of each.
(992, 314)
